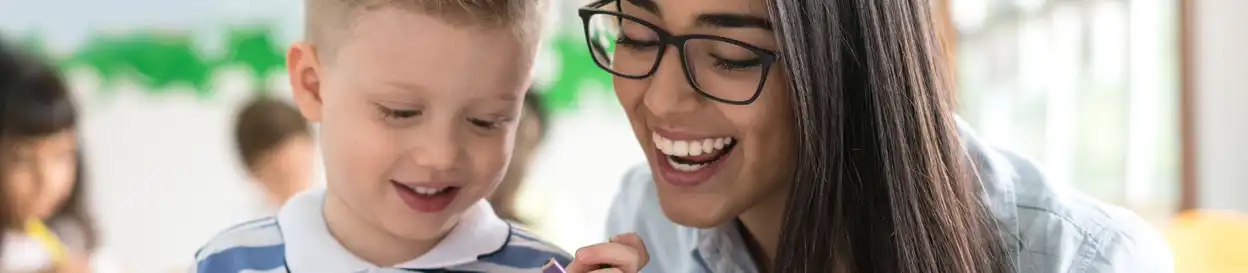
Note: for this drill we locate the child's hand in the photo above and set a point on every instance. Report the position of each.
(625, 253)
(75, 264)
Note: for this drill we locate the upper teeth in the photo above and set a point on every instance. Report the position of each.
(694, 147)
(426, 190)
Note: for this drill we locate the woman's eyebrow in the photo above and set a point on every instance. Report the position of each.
(648, 5)
(732, 20)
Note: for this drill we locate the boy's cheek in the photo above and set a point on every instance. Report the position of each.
(490, 161)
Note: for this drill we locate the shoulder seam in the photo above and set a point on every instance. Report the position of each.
(251, 225)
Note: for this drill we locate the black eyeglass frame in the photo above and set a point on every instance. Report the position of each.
(766, 57)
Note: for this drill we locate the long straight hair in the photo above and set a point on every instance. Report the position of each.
(881, 182)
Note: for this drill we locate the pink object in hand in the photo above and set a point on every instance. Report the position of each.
(553, 267)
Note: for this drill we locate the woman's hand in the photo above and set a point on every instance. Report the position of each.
(624, 253)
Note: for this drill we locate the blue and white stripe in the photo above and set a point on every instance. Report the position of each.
(260, 246)
(253, 246)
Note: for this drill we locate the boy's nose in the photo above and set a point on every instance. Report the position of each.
(437, 151)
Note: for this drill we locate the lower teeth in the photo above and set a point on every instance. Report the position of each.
(685, 167)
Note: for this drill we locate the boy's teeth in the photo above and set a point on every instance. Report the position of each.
(690, 147)
(427, 190)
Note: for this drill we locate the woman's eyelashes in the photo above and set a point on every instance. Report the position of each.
(736, 64)
(635, 44)
(626, 41)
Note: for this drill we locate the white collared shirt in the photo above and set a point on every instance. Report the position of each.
(297, 240)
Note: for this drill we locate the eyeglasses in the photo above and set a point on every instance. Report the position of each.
(720, 68)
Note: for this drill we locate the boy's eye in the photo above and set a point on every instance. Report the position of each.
(486, 124)
(391, 113)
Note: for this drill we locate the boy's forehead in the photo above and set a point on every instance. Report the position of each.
(418, 52)
(406, 87)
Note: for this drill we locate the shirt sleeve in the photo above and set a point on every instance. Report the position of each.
(1138, 249)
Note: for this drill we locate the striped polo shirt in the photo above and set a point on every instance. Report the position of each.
(297, 240)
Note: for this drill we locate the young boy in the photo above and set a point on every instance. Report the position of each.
(417, 102)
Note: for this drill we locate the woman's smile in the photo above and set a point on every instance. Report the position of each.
(688, 160)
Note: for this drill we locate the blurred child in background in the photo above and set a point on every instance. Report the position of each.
(276, 147)
(7, 217)
(529, 135)
(51, 231)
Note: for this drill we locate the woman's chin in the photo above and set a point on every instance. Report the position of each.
(696, 210)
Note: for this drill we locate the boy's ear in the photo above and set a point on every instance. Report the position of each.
(305, 79)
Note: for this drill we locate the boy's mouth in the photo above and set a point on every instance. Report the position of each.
(428, 191)
(428, 199)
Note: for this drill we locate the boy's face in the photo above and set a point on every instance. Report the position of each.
(417, 117)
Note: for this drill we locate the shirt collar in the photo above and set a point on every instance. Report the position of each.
(311, 248)
(996, 176)
(722, 249)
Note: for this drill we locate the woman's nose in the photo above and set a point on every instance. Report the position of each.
(670, 91)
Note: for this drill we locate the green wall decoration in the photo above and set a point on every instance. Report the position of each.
(163, 61)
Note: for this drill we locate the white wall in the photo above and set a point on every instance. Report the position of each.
(1221, 79)
(163, 174)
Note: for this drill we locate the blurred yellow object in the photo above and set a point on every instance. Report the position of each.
(40, 232)
(1207, 241)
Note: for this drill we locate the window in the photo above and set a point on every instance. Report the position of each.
(1088, 89)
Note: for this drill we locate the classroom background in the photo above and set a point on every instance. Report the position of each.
(1137, 103)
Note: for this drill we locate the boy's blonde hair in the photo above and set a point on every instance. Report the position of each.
(326, 21)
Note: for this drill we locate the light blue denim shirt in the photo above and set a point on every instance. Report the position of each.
(1049, 229)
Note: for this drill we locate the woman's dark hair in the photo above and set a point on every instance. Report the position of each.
(38, 104)
(881, 182)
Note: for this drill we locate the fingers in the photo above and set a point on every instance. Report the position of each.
(633, 241)
(608, 270)
(619, 256)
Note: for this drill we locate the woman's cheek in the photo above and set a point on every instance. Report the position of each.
(630, 92)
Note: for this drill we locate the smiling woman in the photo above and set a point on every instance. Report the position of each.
(815, 136)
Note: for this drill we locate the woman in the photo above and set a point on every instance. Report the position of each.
(816, 136)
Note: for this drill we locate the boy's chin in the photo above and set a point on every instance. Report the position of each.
(429, 227)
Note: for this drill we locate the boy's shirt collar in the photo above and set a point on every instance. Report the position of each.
(311, 248)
